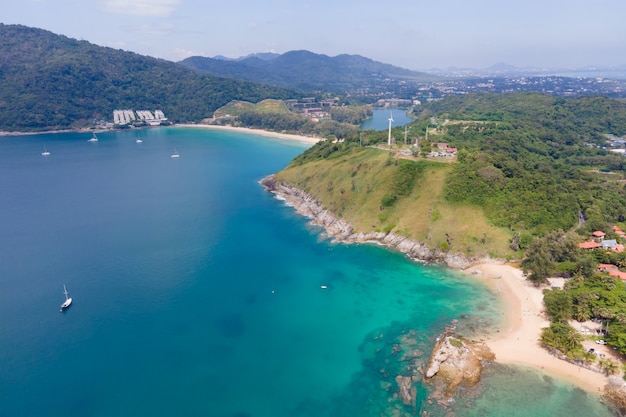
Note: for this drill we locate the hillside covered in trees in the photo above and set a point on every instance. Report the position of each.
(51, 82)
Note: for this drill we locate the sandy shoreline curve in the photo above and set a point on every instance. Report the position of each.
(260, 132)
(518, 342)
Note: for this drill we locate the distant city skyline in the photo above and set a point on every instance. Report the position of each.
(416, 35)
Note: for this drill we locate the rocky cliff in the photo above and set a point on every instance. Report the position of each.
(343, 231)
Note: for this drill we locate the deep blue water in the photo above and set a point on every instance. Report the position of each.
(196, 293)
(380, 119)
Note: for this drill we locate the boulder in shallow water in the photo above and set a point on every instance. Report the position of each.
(455, 361)
(407, 391)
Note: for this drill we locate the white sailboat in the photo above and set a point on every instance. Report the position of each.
(138, 140)
(45, 152)
(175, 154)
(68, 300)
(94, 138)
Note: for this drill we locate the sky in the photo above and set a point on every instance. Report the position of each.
(412, 34)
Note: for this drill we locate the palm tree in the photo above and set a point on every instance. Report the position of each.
(572, 340)
(581, 312)
(608, 366)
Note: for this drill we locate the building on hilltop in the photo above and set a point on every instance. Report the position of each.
(442, 149)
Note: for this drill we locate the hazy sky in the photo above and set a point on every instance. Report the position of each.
(414, 34)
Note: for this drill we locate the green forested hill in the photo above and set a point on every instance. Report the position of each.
(49, 81)
(535, 162)
(529, 164)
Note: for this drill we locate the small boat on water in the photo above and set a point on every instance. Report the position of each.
(68, 300)
(45, 152)
(94, 138)
(138, 140)
(175, 154)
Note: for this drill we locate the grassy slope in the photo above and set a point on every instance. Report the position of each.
(236, 108)
(353, 185)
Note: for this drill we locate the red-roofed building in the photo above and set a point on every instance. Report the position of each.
(589, 245)
(599, 234)
(618, 274)
(607, 267)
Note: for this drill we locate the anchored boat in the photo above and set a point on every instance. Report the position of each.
(68, 299)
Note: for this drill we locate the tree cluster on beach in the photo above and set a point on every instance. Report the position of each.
(597, 297)
(588, 294)
(295, 123)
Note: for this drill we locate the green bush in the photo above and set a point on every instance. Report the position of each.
(456, 342)
(388, 200)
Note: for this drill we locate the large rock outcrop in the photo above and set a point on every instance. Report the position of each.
(454, 362)
(343, 231)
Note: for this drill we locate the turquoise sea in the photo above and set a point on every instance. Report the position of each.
(197, 293)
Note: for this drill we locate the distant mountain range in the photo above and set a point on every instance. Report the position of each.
(500, 69)
(307, 71)
(261, 55)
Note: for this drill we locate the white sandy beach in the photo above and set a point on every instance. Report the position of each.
(266, 133)
(518, 341)
(260, 132)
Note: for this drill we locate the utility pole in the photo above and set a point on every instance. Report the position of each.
(390, 122)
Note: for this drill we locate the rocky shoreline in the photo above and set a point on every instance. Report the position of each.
(342, 231)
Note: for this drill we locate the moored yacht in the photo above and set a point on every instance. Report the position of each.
(94, 138)
(68, 300)
(175, 154)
